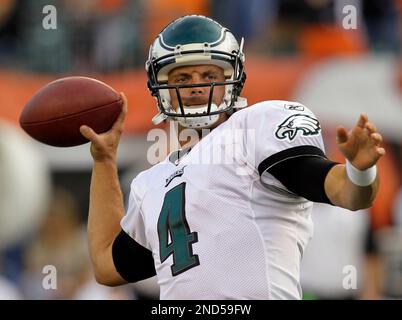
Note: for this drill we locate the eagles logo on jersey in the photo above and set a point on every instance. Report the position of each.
(298, 123)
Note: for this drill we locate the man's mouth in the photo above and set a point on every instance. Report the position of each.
(191, 104)
(195, 101)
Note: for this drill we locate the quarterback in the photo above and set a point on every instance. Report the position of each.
(227, 229)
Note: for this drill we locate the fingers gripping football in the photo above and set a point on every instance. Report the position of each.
(104, 145)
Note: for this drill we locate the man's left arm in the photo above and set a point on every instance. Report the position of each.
(354, 186)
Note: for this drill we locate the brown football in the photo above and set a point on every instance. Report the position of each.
(55, 113)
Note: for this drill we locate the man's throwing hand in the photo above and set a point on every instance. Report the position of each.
(104, 145)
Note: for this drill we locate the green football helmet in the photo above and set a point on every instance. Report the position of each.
(195, 40)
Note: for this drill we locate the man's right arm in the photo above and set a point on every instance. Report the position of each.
(116, 257)
(106, 207)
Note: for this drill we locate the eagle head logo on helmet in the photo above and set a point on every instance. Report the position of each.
(195, 40)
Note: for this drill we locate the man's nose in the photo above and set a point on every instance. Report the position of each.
(197, 90)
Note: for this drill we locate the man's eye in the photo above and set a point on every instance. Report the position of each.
(211, 77)
(180, 80)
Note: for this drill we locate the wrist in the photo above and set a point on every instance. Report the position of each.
(108, 162)
(361, 178)
(104, 157)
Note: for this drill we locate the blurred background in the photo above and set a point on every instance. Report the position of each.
(304, 50)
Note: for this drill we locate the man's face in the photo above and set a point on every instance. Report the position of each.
(191, 97)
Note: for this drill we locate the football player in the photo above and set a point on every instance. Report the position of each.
(230, 229)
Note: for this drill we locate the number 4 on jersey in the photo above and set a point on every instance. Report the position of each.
(172, 222)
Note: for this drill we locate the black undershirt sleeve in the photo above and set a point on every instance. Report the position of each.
(132, 261)
(302, 170)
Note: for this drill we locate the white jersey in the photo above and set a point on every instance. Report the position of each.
(216, 227)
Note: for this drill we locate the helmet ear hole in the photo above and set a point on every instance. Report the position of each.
(165, 97)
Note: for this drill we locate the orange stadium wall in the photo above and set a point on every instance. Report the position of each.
(266, 79)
